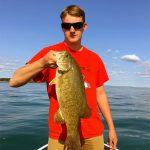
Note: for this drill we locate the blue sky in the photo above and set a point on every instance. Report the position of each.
(118, 30)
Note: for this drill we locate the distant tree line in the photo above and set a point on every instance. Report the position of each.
(7, 79)
(4, 79)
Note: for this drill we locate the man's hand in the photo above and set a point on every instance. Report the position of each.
(112, 139)
(49, 60)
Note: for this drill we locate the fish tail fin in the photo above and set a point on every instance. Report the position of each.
(72, 143)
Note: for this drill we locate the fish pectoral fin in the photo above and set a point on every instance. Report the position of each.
(58, 118)
(53, 81)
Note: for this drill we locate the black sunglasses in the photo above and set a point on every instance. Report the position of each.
(67, 26)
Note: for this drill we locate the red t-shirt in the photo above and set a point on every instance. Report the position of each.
(94, 75)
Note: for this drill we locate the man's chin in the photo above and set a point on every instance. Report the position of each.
(73, 41)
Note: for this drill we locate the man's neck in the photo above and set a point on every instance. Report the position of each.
(74, 46)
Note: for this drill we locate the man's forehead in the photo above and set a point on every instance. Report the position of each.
(72, 19)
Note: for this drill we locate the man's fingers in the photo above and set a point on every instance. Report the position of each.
(112, 145)
(53, 66)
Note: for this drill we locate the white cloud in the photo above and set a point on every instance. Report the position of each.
(116, 72)
(131, 58)
(145, 67)
(108, 50)
(8, 65)
(145, 64)
(144, 74)
(2, 67)
(112, 50)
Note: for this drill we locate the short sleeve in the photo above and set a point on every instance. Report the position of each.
(102, 75)
(40, 77)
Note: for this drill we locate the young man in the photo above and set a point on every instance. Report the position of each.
(42, 68)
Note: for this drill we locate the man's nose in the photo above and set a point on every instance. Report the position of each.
(72, 29)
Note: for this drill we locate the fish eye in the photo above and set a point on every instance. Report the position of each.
(67, 55)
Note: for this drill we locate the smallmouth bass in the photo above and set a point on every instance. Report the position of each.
(70, 91)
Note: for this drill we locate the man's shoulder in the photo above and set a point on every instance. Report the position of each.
(91, 53)
(57, 47)
(45, 50)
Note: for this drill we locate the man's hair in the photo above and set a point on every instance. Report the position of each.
(73, 10)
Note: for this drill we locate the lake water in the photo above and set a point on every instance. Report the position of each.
(23, 116)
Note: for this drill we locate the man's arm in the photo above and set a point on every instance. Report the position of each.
(24, 74)
(103, 104)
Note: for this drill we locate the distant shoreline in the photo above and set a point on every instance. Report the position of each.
(4, 79)
(7, 80)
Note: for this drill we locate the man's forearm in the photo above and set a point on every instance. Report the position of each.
(26, 73)
(103, 104)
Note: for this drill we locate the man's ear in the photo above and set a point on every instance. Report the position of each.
(85, 26)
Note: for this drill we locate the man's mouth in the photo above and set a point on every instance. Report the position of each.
(73, 36)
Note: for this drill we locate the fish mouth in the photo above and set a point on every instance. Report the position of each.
(63, 67)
